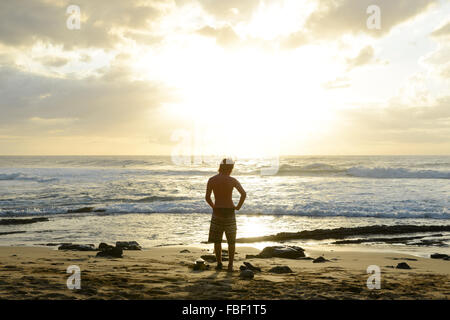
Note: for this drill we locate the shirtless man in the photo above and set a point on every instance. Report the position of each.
(223, 217)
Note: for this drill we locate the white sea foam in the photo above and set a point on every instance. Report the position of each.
(397, 173)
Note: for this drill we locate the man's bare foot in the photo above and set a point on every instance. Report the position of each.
(219, 266)
(230, 268)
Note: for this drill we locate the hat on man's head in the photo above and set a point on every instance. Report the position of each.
(227, 161)
(226, 165)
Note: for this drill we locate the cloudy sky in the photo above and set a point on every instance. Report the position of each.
(245, 77)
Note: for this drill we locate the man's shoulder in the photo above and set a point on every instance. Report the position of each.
(234, 179)
(213, 177)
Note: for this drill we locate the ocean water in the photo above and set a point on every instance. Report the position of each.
(155, 193)
(395, 187)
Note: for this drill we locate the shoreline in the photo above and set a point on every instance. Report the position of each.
(156, 229)
(422, 252)
(165, 273)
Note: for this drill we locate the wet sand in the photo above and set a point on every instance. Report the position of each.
(165, 273)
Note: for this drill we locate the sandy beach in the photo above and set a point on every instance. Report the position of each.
(166, 273)
(137, 137)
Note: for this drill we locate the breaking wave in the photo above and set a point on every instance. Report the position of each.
(23, 177)
(189, 207)
(323, 169)
(397, 173)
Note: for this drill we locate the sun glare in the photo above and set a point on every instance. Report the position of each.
(275, 19)
(256, 99)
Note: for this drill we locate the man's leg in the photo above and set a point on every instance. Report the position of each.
(215, 236)
(230, 233)
(231, 249)
(231, 240)
(218, 252)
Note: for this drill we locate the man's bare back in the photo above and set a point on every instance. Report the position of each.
(222, 186)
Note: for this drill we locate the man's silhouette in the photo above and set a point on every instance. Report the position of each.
(223, 217)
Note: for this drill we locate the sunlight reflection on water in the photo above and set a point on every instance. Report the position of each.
(183, 229)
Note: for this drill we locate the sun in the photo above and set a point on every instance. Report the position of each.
(244, 100)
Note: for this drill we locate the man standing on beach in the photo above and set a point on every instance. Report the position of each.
(223, 217)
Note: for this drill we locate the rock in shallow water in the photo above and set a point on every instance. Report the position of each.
(77, 247)
(128, 245)
(341, 233)
(7, 222)
(12, 232)
(440, 256)
(81, 210)
(104, 246)
(85, 210)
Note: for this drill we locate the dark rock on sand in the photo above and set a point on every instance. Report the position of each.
(212, 258)
(440, 256)
(320, 260)
(281, 269)
(249, 266)
(110, 252)
(288, 252)
(77, 247)
(209, 257)
(408, 259)
(403, 265)
(246, 274)
(169, 244)
(21, 221)
(200, 265)
(185, 251)
(128, 245)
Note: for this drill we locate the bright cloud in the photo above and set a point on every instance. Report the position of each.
(289, 76)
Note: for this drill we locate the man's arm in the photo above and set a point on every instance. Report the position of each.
(242, 192)
(208, 194)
